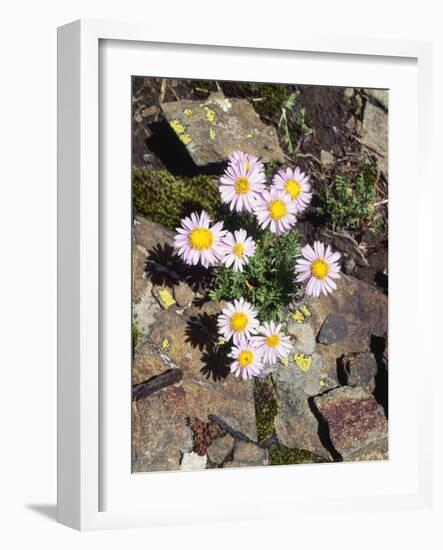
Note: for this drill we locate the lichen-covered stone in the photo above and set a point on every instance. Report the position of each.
(213, 128)
(356, 423)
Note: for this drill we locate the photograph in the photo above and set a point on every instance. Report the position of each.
(259, 274)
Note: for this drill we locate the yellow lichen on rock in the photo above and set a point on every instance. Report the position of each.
(303, 362)
(185, 138)
(212, 134)
(177, 126)
(166, 298)
(211, 115)
(187, 112)
(165, 344)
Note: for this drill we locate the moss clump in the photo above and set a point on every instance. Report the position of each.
(163, 198)
(280, 455)
(348, 201)
(266, 407)
(135, 336)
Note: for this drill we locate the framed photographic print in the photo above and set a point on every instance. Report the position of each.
(232, 316)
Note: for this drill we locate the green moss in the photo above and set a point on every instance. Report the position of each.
(265, 407)
(163, 198)
(135, 335)
(274, 97)
(280, 455)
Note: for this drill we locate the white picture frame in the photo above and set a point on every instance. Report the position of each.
(81, 414)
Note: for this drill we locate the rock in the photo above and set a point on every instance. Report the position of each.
(350, 124)
(303, 340)
(219, 449)
(164, 296)
(147, 363)
(193, 461)
(156, 383)
(157, 431)
(374, 133)
(378, 97)
(206, 390)
(250, 454)
(145, 310)
(333, 329)
(360, 370)
(187, 439)
(212, 129)
(295, 424)
(183, 294)
(139, 282)
(348, 92)
(149, 234)
(365, 310)
(357, 425)
(327, 159)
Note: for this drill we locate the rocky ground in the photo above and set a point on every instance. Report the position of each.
(329, 402)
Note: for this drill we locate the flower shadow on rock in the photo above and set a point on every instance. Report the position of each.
(201, 333)
(164, 268)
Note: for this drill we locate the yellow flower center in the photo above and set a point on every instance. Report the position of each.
(319, 268)
(293, 188)
(277, 210)
(238, 249)
(273, 340)
(201, 238)
(242, 185)
(239, 321)
(245, 358)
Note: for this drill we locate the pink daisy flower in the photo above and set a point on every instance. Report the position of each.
(237, 320)
(241, 184)
(275, 208)
(246, 159)
(197, 242)
(247, 359)
(273, 343)
(296, 184)
(237, 249)
(319, 266)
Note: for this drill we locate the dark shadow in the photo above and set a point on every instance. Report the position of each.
(381, 280)
(201, 333)
(173, 154)
(164, 267)
(381, 394)
(49, 511)
(216, 364)
(342, 371)
(323, 432)
(201, 330)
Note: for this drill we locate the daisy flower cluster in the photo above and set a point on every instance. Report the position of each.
(254, 345)
(201, 240)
